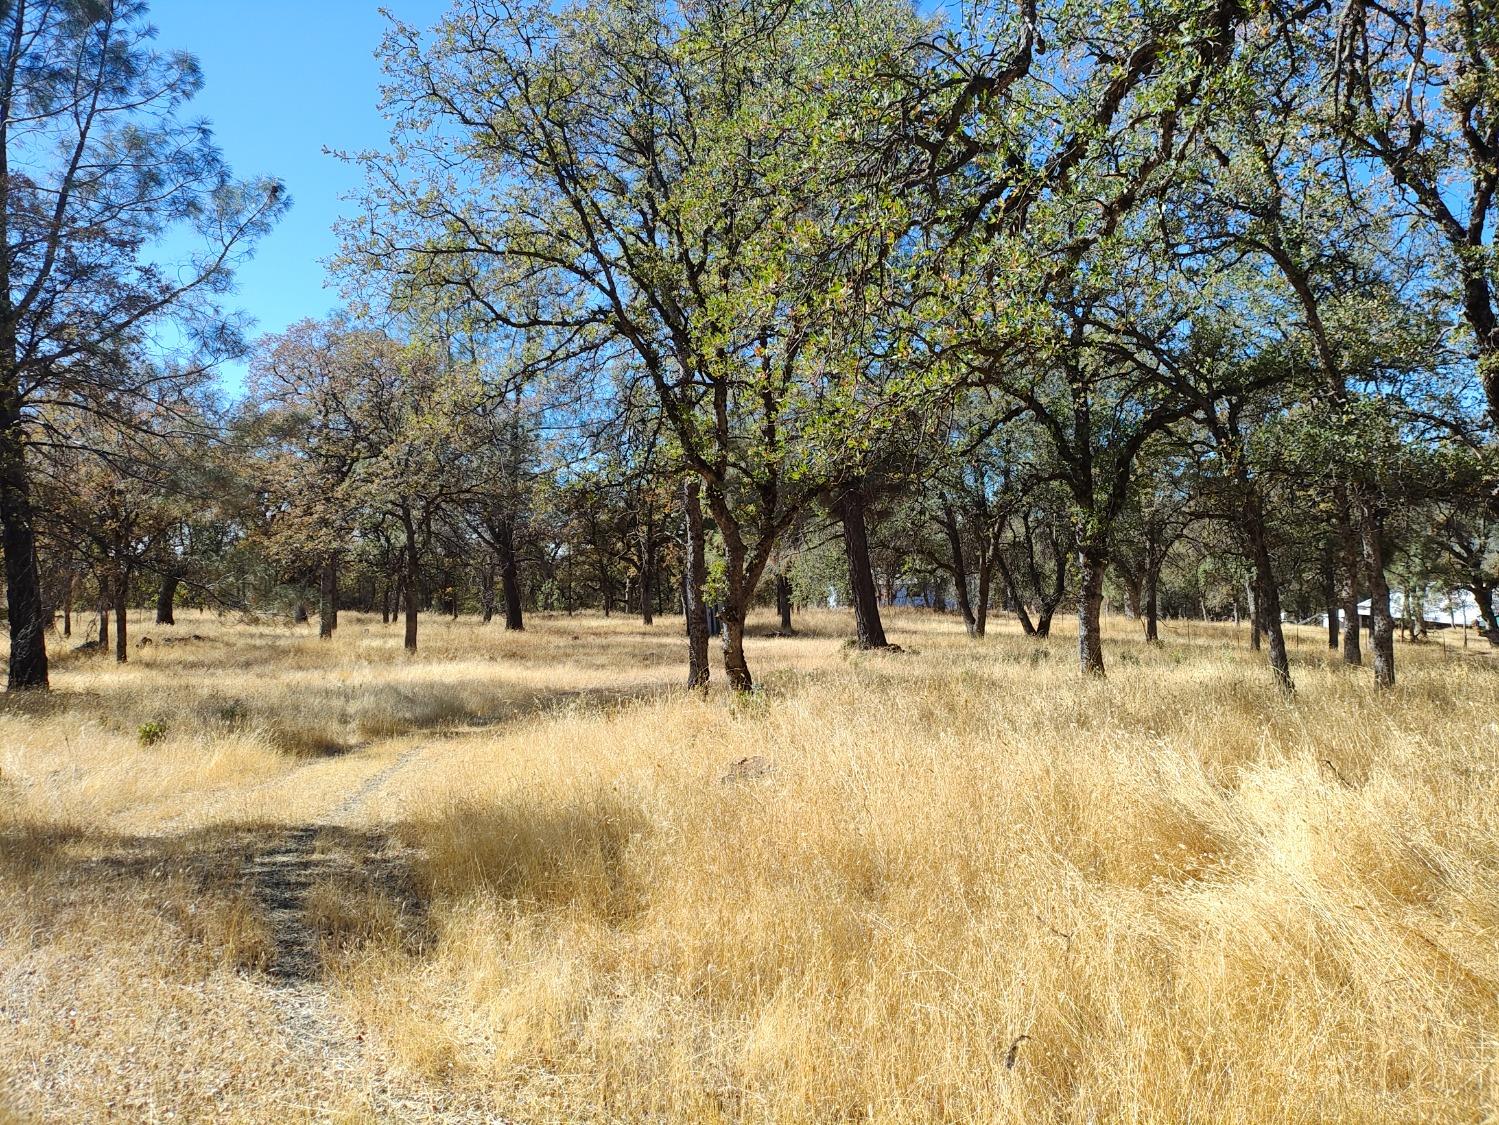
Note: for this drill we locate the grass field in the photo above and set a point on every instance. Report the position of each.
(255, 877)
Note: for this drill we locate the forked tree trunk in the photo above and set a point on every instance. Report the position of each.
(166, 597)
(869, 629)
(23, 580)
(1043, 620)
(1012, 595)
(1382, 624)
(694, 578)
(328, 597)
(735, 666)
(1093, 561)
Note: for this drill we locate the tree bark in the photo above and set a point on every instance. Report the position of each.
(1484, 597)
(328, 597)
(515, 621)
(1251, 599)
(870, 631)
(647, 571)
(1348, 542)
(486, 593)
(166, 597)
(412, 580)
(1382, 624)
(1012, 594)
(1152, 603)
(1330, 597)
(985, 594)
(694, 578)
(959, 571)
(783, 602)
(120, 588)
(67, 605)
(735, 666)
(1134, 595)
(1093, 561)
(23, 580)
(1266, 612)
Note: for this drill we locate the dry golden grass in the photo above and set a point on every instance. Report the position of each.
(969, 886)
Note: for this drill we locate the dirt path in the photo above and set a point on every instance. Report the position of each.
(356, 802)
(280, 878)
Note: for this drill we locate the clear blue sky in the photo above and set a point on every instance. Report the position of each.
(283, 79)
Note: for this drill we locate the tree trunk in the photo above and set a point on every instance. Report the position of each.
(1267, 590)
(694, 578)
(67, 606)
(104, 620)
(870, 631)
(1484, 597)
(1348, 541)
(1152, 603)
(120, 588)
(23, 580)
(1330, 598)
(1251, 599)
(1012, 595)
(510, 577)
(166, 597)
(486, 593)
(1092, 561)
(1043, 620)
(959, 571)
(647, 571)
(736, 668)
(412, 581)
(783, 602)
(328, 597)
(984, 594)
(1382, 625)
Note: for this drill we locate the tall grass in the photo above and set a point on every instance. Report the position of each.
(962, 885)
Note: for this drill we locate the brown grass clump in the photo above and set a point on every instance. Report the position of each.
(959, 884)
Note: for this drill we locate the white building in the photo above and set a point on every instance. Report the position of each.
(1455, 610)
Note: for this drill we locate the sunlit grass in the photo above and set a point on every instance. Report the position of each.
(962, 884)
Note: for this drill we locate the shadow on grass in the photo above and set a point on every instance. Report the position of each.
(312, 888)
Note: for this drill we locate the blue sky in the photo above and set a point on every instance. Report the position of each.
(284, 78)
